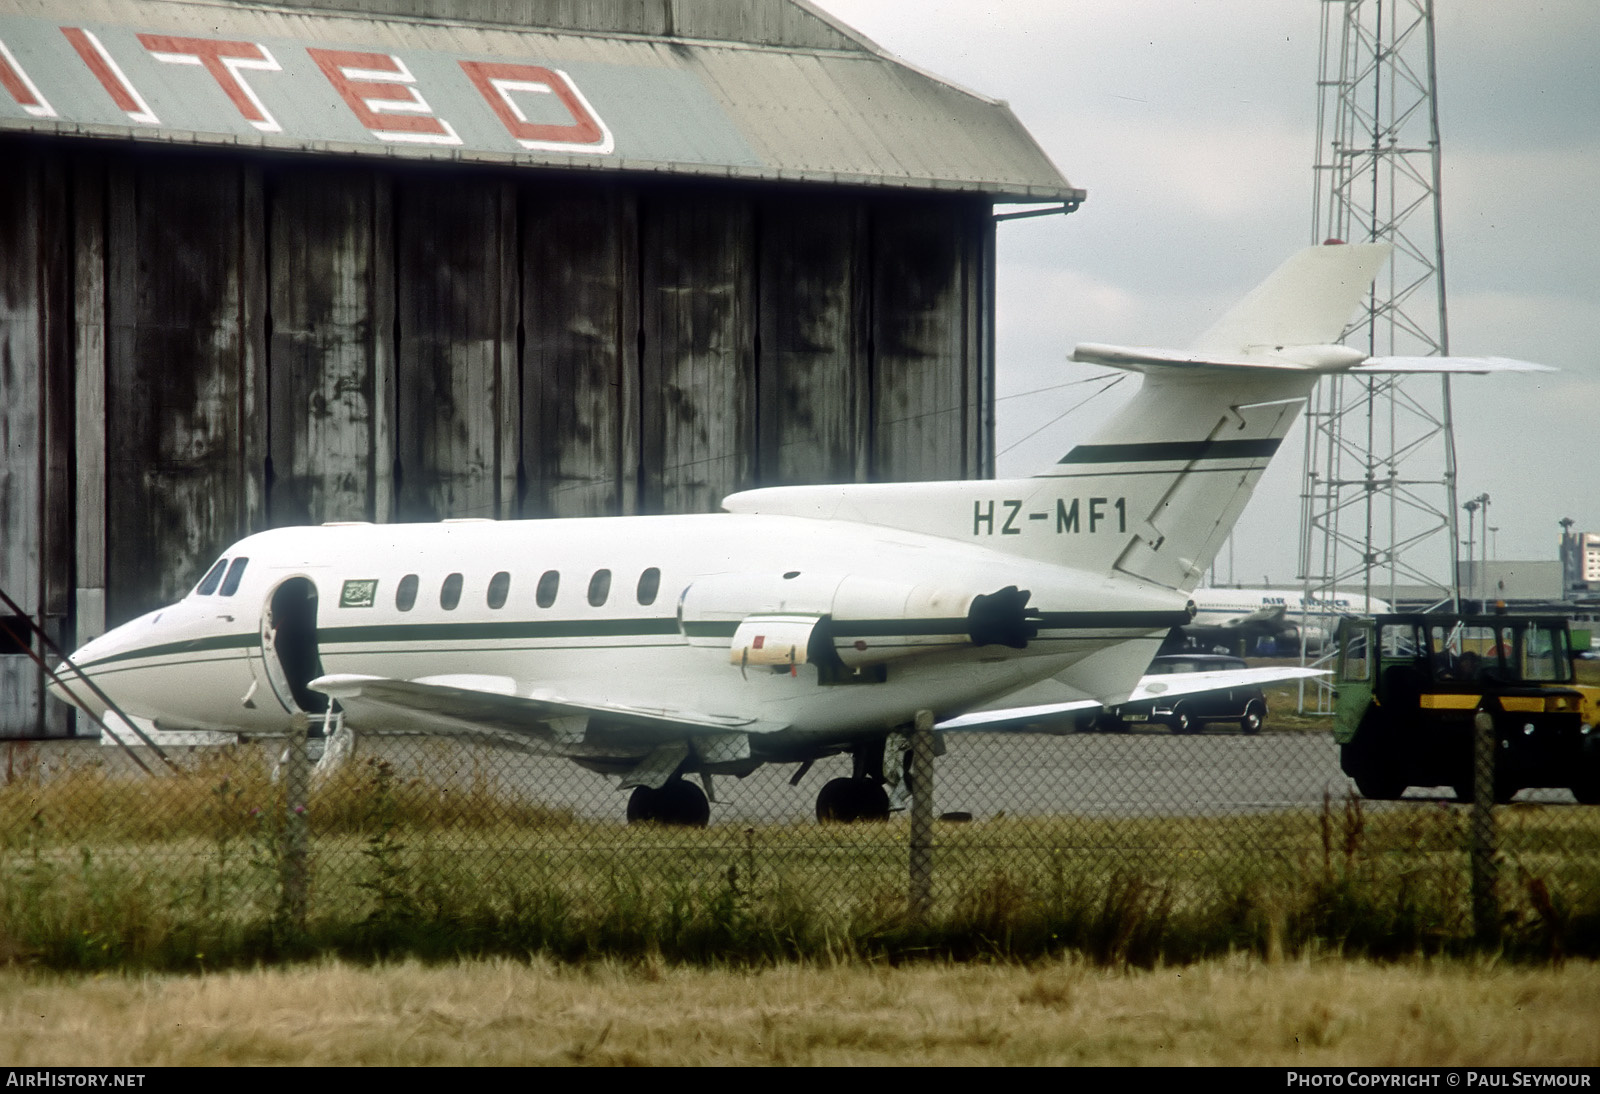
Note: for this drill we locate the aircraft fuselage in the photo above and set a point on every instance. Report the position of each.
(641, 610)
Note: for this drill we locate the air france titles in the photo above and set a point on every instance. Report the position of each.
(1007, 518)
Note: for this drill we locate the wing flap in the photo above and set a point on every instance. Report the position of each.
(456, 703)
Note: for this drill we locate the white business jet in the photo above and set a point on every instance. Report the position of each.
(803, 622)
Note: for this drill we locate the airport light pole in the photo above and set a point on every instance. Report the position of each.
(1483, 596)
(1471, 506)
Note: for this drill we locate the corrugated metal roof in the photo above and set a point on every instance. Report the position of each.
(220, 72)
(789, 23)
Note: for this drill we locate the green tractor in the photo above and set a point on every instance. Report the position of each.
(1410, 686)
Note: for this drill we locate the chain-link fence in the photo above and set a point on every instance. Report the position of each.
(1127, 845)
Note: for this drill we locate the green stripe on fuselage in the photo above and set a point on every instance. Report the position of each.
(654, 627)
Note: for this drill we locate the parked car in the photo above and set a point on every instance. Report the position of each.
(1191, 713)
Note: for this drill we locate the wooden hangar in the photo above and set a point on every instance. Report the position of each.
(387, 260)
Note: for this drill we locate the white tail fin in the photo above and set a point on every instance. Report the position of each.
(1306, 302)
(1155, 492)
(1184, 455)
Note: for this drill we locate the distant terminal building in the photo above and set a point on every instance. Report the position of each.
(267, 263)
(1580, 566)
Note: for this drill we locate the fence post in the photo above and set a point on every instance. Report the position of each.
(1485, 898)
(921, 864)
(297, 785)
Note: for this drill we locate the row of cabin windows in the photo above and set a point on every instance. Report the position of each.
(225, 575)
(405, 594)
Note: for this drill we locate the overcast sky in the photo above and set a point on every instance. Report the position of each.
(1192, 125)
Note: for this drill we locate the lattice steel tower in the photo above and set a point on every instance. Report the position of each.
(1379, 499)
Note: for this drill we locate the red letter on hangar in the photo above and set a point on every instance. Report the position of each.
(224, 60)
(376, 86)
(110, 74)
(22, 89)
(496, 81)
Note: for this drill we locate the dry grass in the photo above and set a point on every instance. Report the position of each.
(1234, 1011)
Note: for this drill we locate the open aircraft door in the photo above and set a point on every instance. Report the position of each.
(289, 651)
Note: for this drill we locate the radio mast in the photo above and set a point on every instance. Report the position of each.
(1379, 497)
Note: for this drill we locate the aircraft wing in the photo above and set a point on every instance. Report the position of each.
(1150, 687)
(1259, 617)
(490, 705)
(1162, 686)
(1016, 717)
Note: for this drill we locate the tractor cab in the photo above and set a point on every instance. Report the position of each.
(1409, 687)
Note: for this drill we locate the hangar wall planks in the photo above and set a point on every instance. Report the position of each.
(224, 344)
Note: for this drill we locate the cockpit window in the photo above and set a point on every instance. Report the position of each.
(230, 584)
(213, 578)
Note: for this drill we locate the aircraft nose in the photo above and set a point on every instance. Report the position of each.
(69, 687)
(56, 686)
(69, 684)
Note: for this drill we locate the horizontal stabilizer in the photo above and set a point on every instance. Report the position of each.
(1474, 366)
(1309, 358)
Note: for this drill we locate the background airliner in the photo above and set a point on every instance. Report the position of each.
(803, 622)
(1275, 618)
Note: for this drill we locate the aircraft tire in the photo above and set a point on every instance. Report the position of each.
(846, 801)
(686, 804)
(642, 804)
(678, 802)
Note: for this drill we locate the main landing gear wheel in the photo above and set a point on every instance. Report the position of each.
(679, 802)
(845, 801)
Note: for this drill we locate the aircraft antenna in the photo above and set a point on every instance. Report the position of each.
(1378, 505)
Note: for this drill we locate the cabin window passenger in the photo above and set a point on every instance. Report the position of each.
(499, 586)
(230, 584)
(405, 594)
(450, 593)
(599, 587)
(649, 585)
(213, 578)
(548, 584)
